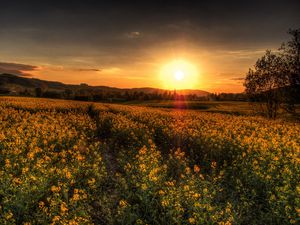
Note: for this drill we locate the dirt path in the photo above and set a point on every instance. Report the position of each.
(108, 154)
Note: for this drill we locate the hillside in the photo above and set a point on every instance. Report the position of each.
(15, 84)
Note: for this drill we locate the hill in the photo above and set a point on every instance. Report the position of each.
(12, 84)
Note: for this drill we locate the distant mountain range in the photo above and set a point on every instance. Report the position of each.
(15, 84)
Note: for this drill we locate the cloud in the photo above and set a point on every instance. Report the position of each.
(25, 69)
(133, 34)
(111, 70)
(17, 68)
(244, 54)
(63, 68)
(238, 78)
(88, 69)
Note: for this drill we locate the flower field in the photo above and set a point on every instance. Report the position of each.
(68, 162)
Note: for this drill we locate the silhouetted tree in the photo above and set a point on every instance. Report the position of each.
(68, 93)
(52, 94)
(98, 97)
(82, 97)
(290, 52)
(4, 90)
(38, 92)
(264, 83)
(26, 92)
(275, 77)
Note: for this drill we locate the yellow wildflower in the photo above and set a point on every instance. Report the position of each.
(196, 169)
(192, 220)
(63, 208)
(123, 203)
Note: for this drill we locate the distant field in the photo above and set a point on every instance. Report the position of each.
(209, 106)
(226, 107)
(70, 162)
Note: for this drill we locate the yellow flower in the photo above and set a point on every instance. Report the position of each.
(139, 221)
(144, 187)
(41, 204)
(79, 157)
(67, 173)
(186, 187)
(192, 220)
(63, 208)
(55, 219)
(187, 170)
(30, 155)
(55, 189)
(91, 181)
(76, 196)
(161, 192)
(213, 164)
(196, 195)
(170, 183)
(17, 181)
(9, 215)
(7, 163)
(197, 204)
(196, 169)
(25, 170)
(143, 150)
(142, 167)
(123, 203)
(165, 203)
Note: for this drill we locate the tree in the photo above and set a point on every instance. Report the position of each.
(275, 78)
(265, 82)
(290, 52)
(38, 92)
(68, 93)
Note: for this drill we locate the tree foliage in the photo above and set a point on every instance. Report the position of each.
(275, 79)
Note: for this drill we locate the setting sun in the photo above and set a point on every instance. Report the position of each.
(179, 74)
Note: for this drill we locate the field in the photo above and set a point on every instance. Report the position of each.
(224, 107)
(68, 162)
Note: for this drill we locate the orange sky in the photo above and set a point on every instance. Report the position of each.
(129, 45)
(217, 70)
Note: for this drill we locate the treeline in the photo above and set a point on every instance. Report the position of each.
(122, 96)
(228, 97)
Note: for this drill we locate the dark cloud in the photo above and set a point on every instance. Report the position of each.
(133, 34)
(100, 24)
(16, 68)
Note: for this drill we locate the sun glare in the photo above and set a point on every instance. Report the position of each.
(179, 74)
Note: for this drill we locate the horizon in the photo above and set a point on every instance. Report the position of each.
(170, 45)
(125, 88)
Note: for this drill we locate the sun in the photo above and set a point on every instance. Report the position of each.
(179, 74)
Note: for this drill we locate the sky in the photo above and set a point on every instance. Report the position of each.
(210, 44)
